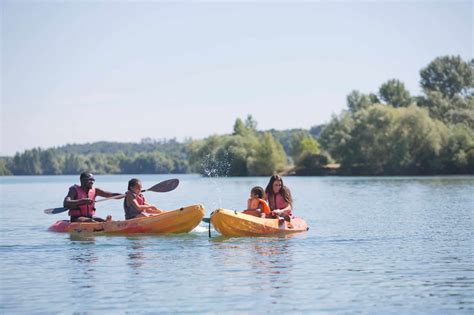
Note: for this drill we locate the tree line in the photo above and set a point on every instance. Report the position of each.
(392, 132)
(389, 132)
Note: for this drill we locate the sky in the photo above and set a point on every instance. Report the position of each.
(86, 71)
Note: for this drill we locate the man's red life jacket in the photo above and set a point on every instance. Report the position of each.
(84, 210)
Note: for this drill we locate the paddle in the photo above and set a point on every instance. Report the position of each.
(164, 186)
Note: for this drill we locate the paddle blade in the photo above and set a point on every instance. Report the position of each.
(207, 220)
(165, 186)
(55, 210)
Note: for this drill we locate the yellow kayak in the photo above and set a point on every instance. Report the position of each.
(233, 223)
(182, 220)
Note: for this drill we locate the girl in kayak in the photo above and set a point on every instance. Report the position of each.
(134, 203)
(256, 205)
(279, 199)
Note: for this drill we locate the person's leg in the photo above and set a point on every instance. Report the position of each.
(288, 219)
(152, 211)
(81, 219)
(255, 213)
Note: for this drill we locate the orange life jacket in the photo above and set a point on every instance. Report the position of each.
(263, 205)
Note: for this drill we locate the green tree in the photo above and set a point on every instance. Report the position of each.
(449, 75)
(303, 144)
(286, 137)
(4, 169)
(357, 101)
(415, 143)
(367, 150)
(269, 157)
(393, 92)
(385, 140)
(147, 163)
(104, 163)
(74, 164)
(28, 163)
(239, 128)
(312, 164)
(458, 153)
(315, 131)
(251, 123)
(202, 156)
(336, 136)
(51, 162)
(247, 128)
(453, 110)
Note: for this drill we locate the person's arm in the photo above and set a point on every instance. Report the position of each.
(283, 211)
(249, 204)
(152, 208)
(140, 208)
(252, 204)
(106, 194)
(70, 201)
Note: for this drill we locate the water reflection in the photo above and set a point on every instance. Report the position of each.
(259, 264)
(83, 259)
(272, 262)
(135, 254)
(271, 256)
(83, 238)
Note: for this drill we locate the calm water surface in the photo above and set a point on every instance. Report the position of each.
(375, 245)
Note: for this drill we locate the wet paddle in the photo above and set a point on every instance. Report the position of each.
(164, 186)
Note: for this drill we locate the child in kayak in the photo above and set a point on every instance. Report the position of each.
(134, 203)
(256, 205)
(279, 199)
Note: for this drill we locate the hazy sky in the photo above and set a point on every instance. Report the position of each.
(84, 71)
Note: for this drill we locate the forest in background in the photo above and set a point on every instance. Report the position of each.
(387, 132)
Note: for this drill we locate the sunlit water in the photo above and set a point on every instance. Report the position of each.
(375, 245)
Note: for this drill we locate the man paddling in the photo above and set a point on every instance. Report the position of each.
(80, 200)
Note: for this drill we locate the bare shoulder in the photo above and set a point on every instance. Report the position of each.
(72, 193)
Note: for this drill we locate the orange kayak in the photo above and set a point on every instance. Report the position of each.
(182, 220)
(233, 223)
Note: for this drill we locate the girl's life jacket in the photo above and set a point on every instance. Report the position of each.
(130, 211)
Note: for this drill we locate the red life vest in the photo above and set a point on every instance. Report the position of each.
(130, 211)
(84, 210)
(139, 198)
(278, 202)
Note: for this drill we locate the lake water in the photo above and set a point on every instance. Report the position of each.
(375, 245)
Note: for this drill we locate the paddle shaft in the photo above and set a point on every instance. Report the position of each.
(163, 186)
(63, 209)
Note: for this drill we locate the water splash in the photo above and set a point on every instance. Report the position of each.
(213, 166)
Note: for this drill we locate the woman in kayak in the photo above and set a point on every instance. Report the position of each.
(279, 199)
(256, 206)
(134, 203)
